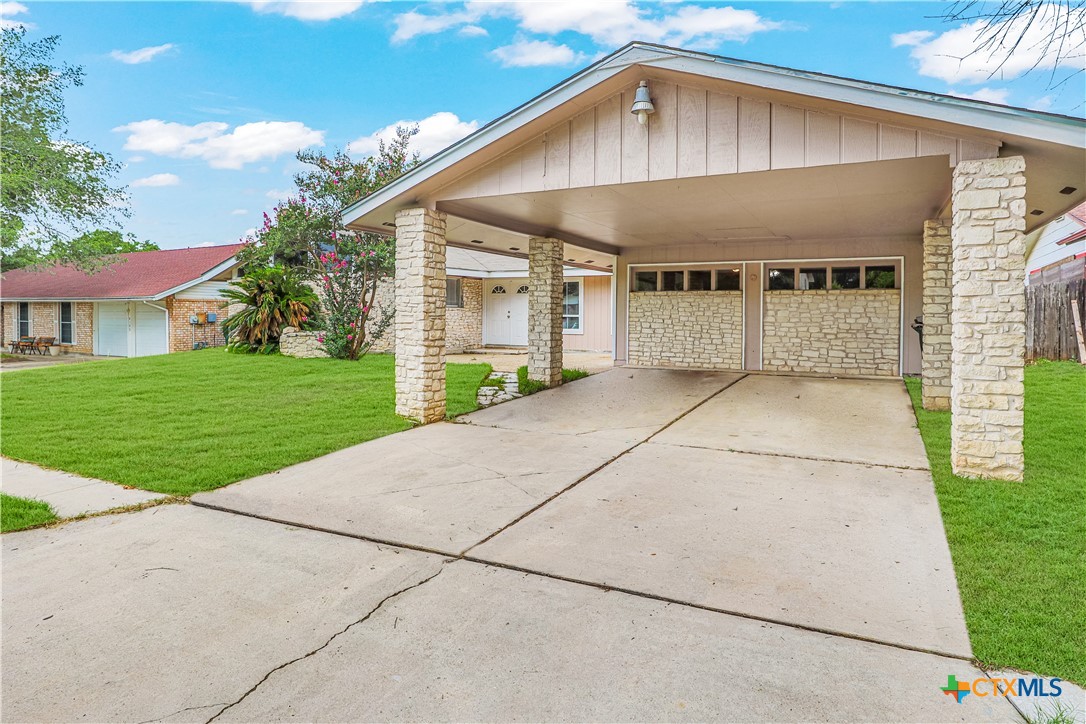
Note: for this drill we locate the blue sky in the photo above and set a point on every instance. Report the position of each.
(205, 102)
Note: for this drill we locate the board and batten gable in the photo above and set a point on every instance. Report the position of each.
(699, 132)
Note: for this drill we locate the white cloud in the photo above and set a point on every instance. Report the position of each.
(143, 55)
(529, 53)
(960, 55)
(280, 194)
(473, 31)
(213, 142)
(307, 9)
(7, 9)
(1043, 103)
(913, 37)
(610, 24)
(239, 212)
(990, 95)
(158, 179)
(435, 133)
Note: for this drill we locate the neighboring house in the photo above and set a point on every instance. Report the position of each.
(1057, 253)
(143, 304)
(487, 303)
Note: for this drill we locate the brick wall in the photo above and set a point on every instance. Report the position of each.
(181, 332)
(850, 332)
(84, 329)
(43, 319)
(686, 329)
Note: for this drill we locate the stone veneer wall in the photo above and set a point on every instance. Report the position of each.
(935, 360)
(545, 289)
(988, 316)
(295, 343)
(420, 314)
(464, 324)
(843, 331)
(686, 329)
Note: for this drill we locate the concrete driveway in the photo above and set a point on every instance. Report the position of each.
(639, 545)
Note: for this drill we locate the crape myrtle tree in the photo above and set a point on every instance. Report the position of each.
(51, 187)
(306, 232)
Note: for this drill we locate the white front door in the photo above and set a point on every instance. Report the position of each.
(506, 312)
(113, 329)
(151, 330)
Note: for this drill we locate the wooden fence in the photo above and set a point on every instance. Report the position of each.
(1050, 324)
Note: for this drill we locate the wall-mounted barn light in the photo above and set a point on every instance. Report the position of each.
(642, 105)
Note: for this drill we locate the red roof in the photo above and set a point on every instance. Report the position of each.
(138, 274)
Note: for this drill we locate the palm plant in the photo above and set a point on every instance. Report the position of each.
(273, 298)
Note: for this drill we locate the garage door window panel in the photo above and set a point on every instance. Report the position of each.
(728, 280)
(645, 281)
(781, 278)
(846, 277)
(671, 281)
(812, 278)
(880, 277)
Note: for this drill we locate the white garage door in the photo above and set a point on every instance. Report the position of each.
(113, 329)
(151, 329)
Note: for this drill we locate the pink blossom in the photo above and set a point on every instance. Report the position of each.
(365, 309)
(350, 337)
(320, 339)
(305, 319)
(351, 325)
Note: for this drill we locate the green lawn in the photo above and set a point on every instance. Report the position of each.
(529, 387)
(193, 421)
(19, 513)
(1019, 549)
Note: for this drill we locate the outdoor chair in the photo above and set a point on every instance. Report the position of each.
(42, 344)
(22, 345)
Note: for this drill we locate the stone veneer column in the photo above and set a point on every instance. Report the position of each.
(988, 318)
(545, 279)
(420, 314)
(935, 362)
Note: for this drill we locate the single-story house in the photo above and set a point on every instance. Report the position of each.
(148, 302)
(760, 218)
(1057, 252)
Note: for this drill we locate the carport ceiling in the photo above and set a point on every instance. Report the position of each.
(884, 198)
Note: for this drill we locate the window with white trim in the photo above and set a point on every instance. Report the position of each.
(67, 322)
(23, 319)
(571, 306)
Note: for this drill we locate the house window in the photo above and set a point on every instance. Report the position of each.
(645, 281)
(67, 323)
(453, 296)
(24, 319)
(847, 277)
(671, 281)
(699, 280)
(812, 278)
(571, 306)
(880, 277)
(728, 280)
(782, 278)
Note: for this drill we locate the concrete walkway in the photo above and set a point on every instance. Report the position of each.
(29, 361)
(509, 359)
(638, 545)
(70, 495)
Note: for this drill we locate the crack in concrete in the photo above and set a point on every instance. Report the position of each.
(317, 650)
(812, 458)
(182, 711)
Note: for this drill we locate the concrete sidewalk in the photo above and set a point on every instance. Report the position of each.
(70, 495)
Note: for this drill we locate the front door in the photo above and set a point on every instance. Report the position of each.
(507, 312)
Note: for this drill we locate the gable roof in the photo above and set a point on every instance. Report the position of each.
(136, 275)
(989, 118)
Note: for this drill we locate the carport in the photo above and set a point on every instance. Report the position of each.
(759, 219)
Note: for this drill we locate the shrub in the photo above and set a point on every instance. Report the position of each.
(274, 298)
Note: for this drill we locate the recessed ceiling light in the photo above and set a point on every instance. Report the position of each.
(476, 241)
(610, 265)
(569, 260)
(389, 224)
(1036, 212)
(514, 248)
(589, 261)
(1068, 190)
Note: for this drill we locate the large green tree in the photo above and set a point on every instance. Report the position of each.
(93, 249)
(52, 187)
(307, 233)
